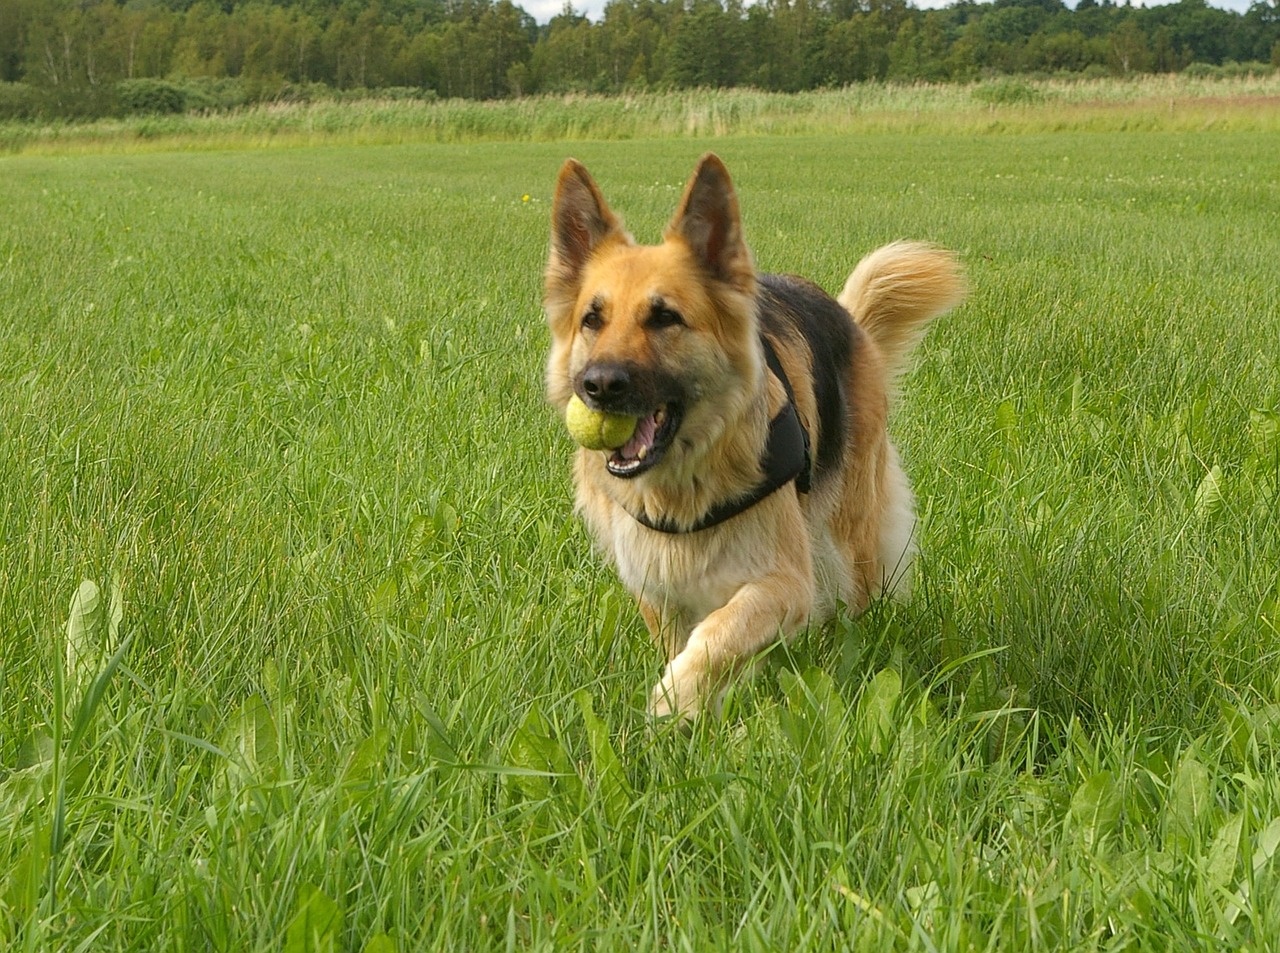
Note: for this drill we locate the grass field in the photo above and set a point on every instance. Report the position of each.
(303, 649)
(1167, 102)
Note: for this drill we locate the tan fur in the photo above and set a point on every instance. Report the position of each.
(895, 291)
(716, 597)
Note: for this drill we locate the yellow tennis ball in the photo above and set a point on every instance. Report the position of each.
(595, 429)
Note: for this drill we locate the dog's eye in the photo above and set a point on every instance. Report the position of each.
(665, 318)
(591, 321)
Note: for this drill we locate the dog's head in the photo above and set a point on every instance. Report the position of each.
(662, 332)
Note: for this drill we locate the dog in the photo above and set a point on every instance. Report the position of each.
(760, 490)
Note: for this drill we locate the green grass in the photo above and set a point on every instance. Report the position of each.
(1175, 102)
(350, 676)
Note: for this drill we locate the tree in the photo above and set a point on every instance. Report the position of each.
(1260, 32)
(857, 49)
(566, 57)
(702, 47)
(201, 37)
(629, 38)
(480, 47)
(1199, 31)
(69, 54)
(1058, 52)
(919, 51)
(17, 18)
(1129, 50)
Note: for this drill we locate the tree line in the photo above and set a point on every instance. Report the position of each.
(91, 57)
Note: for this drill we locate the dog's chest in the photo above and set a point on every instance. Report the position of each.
(696, 572)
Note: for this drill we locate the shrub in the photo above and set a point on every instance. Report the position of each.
(1249, 68)
(1228, 70)
(404, 93)
(1007, 92)
(20, 101)
(150, 96)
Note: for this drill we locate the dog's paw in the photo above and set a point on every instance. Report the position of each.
(664, 707)
(682, 693)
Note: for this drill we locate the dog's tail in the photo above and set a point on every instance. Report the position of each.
(897, 290)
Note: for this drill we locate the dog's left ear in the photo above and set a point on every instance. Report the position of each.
(709, 223)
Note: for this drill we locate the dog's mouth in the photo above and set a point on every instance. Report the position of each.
(648, 444)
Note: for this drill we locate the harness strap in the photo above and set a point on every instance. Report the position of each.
(786, 458)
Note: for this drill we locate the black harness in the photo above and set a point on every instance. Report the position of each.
(786, 458)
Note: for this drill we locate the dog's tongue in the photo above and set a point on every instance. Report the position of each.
(642, 440)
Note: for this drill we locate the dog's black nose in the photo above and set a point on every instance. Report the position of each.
(605, 383)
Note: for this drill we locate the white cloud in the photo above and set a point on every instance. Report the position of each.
(544, 10)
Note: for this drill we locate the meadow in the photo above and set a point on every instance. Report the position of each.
(1219, 99)
(302, 648)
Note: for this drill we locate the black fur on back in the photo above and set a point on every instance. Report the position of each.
(790, 305)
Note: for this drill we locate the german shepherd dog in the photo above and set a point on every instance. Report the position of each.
(760, 488)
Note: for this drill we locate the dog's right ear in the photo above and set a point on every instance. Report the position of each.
(580, 221)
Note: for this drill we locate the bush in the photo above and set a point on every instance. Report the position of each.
(1249, 68)
(207, 93)
(405, 93)
(150, 97)
(1228, 70)
(1006, 92)
(20, 101)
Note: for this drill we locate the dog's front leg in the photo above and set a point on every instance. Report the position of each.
(668, 628)
(728, 639)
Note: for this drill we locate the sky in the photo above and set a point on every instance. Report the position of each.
(544, 10)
